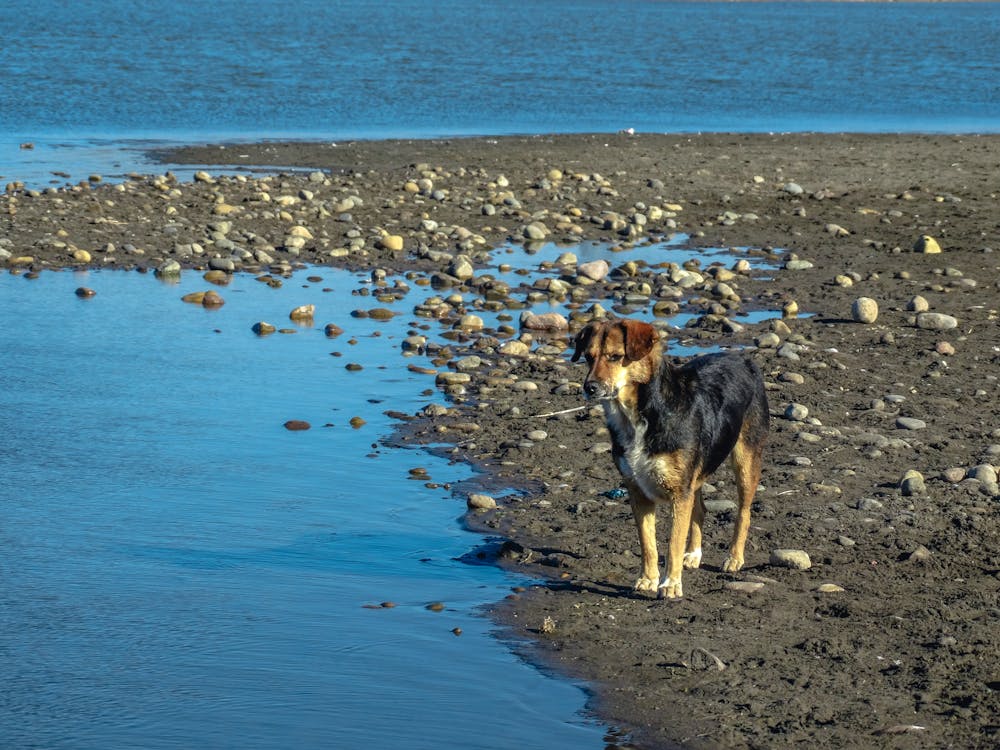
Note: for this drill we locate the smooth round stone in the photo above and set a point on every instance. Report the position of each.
(743, 587)
(936, 321)
(910, 423)
(798, 265)
(296, 425)
(478, 501)
(537, 435)
(263, 329)
(212, 299)
(796, 413)
(912, 483)
(864, 310)
(791, 558)
(918, 304)
(303, 312)
(85, 292)
(829, 588)
(392, 242)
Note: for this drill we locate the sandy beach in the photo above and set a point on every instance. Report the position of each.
(885, 433)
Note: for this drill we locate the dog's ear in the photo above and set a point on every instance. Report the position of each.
(639, 338)
(582, 341)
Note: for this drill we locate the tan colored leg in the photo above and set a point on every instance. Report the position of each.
(644, 512)
(746, 463)
(692, 558)
(670, 587)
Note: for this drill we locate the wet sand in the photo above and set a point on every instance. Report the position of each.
(891, 638)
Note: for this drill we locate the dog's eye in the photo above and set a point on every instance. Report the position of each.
(615, 357)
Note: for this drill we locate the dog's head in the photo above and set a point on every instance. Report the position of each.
(620, 354)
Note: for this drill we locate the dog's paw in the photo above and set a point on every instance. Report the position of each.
(645, 584)
(732, 564)
(692, 559)
(670, 589)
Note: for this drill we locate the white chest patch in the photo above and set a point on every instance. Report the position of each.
(634, 463)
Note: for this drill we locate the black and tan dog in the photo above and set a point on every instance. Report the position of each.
(671, 427)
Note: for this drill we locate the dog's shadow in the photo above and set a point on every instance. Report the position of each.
(622, 591)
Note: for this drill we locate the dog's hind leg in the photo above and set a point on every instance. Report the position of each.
(746, 460)
(692, 557)
(644, 512)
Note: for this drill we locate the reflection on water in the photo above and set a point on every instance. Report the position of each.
(179, 570)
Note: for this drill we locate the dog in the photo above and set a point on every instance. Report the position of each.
(671, 428)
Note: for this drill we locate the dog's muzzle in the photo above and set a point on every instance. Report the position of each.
(596, 390)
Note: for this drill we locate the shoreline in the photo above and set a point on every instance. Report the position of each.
(909, 639)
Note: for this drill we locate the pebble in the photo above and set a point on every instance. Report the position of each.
(544, 322)
(910, 423)
(595, 270)
(936, 321)
(927, 245)
(798, 265)
(392, 242)
(912, 483)
(796, 413)
(477, 501)
(85, 291)
(953, 475)
(303, 313)
(212, 299)
(295, 425)
(357, 422)
(745, 587)
(768, 340)
(537, 435)
(944, 348)
(918, 304)
(791, 558)
(435, 607)
(864, 310)
(792, 188)
(262, 328)
(868, 504)
(985, 473)
(829, 588)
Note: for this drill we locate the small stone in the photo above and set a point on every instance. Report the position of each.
(798, 265)
(768, 340)
(595, 270)
(332, 330)
(478, 501)
(515, 349)
(81, 256)
(537, 436)
(984, 473)
(263, 329)
(792, 188)
(944, 348)
(918, 304)
(303, 313)
(868, 504)
(864, 310)
(953, 475)
(296, 425)
(470, 322)
(912, 483)
(85, 292)
(392, 242)
(910, 423)
(936, 321)
(212, 299)
(744, 587)
(920, 555)
(435, 607)
(357, 422)
(790, 558)
(796, 413)
(927, 245)
(829, 588)
(544, 322)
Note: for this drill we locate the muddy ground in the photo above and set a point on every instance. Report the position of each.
(892, 637)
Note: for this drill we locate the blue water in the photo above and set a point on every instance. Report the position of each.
(179, 570)
(81, 79)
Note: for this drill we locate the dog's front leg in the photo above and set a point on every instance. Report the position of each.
(644, 512)
(683, 506)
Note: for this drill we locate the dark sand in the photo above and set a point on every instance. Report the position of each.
(907, 654)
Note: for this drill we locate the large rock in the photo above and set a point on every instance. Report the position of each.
(544, 322)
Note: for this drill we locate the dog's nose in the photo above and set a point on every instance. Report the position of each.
(592, 388)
